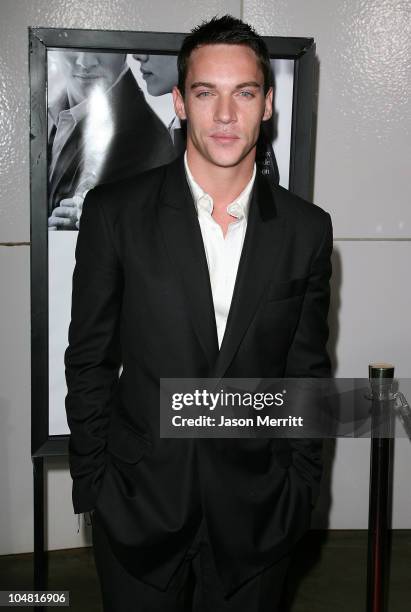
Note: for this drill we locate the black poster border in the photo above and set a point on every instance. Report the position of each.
(301, 50)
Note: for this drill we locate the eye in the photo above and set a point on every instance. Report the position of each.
(246, 94)
(204, 94)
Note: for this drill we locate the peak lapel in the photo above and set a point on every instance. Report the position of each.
(262, 244)
(184, 243)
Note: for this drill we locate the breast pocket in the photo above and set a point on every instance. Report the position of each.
(284, 290)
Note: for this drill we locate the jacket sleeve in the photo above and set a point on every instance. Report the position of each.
(308, 357)
(93, 356)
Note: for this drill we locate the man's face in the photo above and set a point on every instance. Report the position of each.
(84, 70)
(159, 72)
(224, 103)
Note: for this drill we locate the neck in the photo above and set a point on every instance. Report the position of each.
(222, 183)
(73, 99)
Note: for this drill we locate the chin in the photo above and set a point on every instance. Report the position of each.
(227, 161)
(228, 156)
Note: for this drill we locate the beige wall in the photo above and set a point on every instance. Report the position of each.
(360, 178)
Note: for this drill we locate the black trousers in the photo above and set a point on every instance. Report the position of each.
(195, 587)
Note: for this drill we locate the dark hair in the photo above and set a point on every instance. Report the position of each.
(225, 30)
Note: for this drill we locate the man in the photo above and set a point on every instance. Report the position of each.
(160, 74)
(101, 130)
(197, 269)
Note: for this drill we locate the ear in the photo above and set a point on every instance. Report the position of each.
(178, 101)
(268, 105)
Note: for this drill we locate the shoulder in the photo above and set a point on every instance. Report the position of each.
(303, 216)
(121, 198)
(296, 208)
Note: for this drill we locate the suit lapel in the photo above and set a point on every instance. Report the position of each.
(262, 245)
(184, 243)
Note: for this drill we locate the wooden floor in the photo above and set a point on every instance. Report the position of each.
(328, 574)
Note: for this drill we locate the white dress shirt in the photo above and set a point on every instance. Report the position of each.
(223, 253)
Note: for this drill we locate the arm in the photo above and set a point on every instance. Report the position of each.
(93, 357)
(308, 356)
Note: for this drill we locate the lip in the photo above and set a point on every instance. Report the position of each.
(87, 77)
(224, 138)
(146, 73)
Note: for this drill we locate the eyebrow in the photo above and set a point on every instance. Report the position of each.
(249, 84)
(202, 84)
(213, 86)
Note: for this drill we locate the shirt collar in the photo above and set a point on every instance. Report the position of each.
(203, 201)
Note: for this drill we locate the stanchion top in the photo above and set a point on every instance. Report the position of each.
(380, 370)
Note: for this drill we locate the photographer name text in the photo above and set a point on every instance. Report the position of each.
(258, 421)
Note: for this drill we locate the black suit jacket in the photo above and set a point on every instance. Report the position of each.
(142, 297)
(140, 142)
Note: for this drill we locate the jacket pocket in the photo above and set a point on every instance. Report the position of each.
(282, 290)
(126, 444)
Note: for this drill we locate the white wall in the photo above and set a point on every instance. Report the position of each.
(360, 178)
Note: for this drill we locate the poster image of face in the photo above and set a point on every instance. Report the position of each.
(100, 129)
(111, 116)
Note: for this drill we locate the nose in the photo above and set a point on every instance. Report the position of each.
(225, 110)
(141, 57)
(87, 60)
